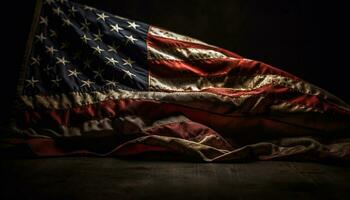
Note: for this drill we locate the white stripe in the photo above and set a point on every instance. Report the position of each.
(235, 83)
(191, 99)
(242, 83)
(294, 108)
(74, 99)
(170, 35)
(155, 54)
(185, 54)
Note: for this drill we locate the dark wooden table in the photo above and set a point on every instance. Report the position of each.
(111, 178)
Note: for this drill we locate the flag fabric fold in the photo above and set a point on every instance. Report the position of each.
(94, 83)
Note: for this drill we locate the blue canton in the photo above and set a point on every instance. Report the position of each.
(77, 48)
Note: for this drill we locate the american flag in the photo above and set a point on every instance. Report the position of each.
(97, 83)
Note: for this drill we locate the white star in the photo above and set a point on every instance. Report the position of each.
(57, 11)
(67, 22)
(87, 63)
(31, 82)
(98, 36)
(53, 33)
(128, 62)
(111, 61)
(112, 48)
(50, 50)
(128, 73)
(102, 16)
(56, 81)
(85, 38)
(35, 60)
(97, 49)
(133, 25)
(48, 69)
(64, 45)
(131, 39)
(41, 37)
(85, 25)
(73, 10)
(43, 20)
(62, 60)
(73, 73)
(113, 83)
(116, 28)
(98, 73)
(86, 83)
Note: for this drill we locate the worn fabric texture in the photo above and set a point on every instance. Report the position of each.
(98, 84)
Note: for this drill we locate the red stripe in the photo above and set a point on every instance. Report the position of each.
(315, 102)
(264, 90)
(274, 95)
(223, 117)
(204, 67)
(48, 147)
(212, 68)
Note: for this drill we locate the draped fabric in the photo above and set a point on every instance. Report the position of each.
(94, 83)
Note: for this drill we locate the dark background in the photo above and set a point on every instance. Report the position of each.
(306, 38)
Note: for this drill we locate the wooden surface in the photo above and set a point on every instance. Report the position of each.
(111, 178)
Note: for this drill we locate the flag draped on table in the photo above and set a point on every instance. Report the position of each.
(94, 83)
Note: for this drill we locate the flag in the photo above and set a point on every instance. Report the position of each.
(94, 83)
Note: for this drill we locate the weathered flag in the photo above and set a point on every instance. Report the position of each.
(94, 83)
